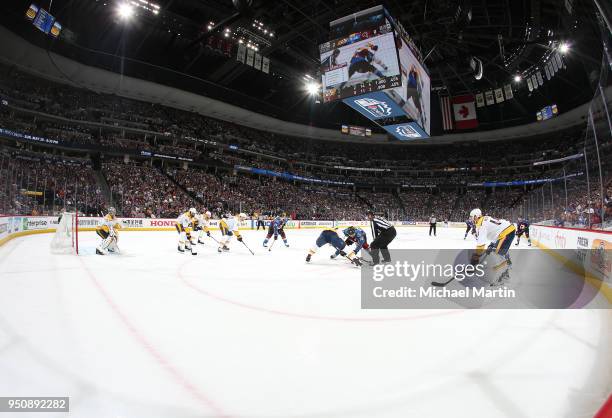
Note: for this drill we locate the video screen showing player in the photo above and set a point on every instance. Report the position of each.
(414, 96)
(357, 59)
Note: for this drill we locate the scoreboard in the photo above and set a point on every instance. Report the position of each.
(43, 20)
(372, 66)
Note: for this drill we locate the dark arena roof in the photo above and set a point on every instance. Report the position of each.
(192, 44)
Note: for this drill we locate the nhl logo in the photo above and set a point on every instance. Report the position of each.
(374, 107)
(407, 131)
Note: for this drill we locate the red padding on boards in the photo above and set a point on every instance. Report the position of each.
(606, 409)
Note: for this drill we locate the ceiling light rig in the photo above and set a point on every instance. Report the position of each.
(254, 38)
(126, 9)
(258, 25)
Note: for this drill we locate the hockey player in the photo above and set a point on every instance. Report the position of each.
(108, 231)
(522, 228)
(498, 234)
(276, 228)
(203, 225)
(330, 236)
(469, 227)
(354, 235)
(362, 60)
(229, 226)
(184, 225)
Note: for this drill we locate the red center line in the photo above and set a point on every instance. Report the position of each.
(153, 352)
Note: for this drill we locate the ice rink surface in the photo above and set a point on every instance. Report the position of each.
(153, 333)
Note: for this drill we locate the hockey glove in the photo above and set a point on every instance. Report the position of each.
(239, 238)
(208, 233)
(342, 253)
(491, 248)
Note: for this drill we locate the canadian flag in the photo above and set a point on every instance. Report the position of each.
(464, 109)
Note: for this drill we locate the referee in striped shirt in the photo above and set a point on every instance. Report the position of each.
(383, 232)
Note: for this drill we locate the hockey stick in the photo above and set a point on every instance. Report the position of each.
(442, 284)
(214, 239)
(247, 247)
(351, 260)
(272, 245)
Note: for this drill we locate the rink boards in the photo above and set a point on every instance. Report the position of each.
(15, 226)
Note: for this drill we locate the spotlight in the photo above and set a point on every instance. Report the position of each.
(312, 88)
(125, 11)
(517, 78)
(564, 48)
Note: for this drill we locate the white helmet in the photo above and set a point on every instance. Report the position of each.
(193, 211)
(475, 213)
(242, 215)
(208, 214)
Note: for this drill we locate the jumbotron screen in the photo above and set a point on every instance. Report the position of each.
(360, 63)
(414, 95)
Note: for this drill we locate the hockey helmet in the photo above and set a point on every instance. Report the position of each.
(351, 231)
(193, 211)
(475, 213)
(112, 211)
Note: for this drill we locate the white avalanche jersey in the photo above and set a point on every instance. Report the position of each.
(490, 230)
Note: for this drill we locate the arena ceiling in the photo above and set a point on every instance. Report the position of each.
(509, 36)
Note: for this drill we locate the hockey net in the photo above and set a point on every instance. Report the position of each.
(66, 238)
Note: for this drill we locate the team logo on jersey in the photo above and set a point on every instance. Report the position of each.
(374, 107)
(407, 131)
